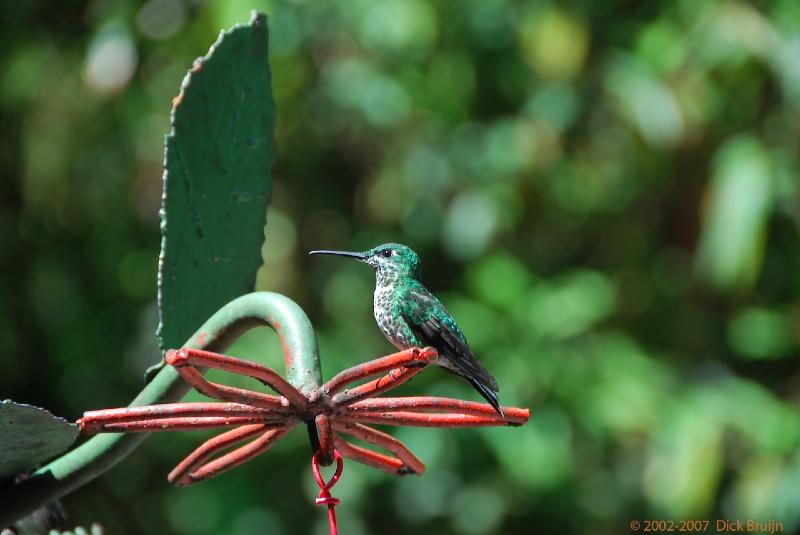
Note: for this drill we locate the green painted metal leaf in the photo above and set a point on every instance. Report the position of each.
(29, 436)
(216, 181)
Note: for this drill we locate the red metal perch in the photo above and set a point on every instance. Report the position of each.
(254, 421)
(332, 411)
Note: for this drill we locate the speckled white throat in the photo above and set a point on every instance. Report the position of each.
(385, 310)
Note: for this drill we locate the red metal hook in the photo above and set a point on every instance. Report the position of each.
(325, 497)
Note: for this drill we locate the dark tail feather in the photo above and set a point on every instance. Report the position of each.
(488, 394)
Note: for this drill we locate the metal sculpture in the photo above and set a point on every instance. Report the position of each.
(331, 412)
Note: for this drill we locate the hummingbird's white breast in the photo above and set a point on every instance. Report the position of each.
(392, 327)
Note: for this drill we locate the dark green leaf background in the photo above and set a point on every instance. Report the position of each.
(605, 195)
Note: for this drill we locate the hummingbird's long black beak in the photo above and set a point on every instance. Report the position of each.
(358, 256)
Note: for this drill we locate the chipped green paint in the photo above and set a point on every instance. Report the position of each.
(216, 181)
(29, 436)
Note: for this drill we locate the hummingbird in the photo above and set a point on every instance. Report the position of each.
(409, 315)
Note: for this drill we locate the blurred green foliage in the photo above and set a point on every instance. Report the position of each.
(605, 194)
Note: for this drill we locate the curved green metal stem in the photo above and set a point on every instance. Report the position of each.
(84, 463)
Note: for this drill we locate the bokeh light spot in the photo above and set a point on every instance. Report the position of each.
(111, 60)
(161, 19)
(760, 333)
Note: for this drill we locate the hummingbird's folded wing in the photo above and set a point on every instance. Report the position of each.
(432, 325)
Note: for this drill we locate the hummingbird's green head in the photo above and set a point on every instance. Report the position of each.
(393, 259)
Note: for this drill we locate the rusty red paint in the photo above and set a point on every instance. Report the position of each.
(513, 416)
(374, 459)
(99, 421)
(170, 424)
(436, 420)
(194, 468)
(232, 394)
(391, 380)
(325, 435)
(383, 440)
(180, 359)
(181, 475)
(333, 409)
(413, 357)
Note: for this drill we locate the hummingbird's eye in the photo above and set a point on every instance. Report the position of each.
(386, 253)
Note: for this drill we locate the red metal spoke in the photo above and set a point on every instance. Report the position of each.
(184, 357)
(385, 463)
(97, 421)
(233, 394)
(325, 435)
(408, 358)
(431, 420)
(211, 447)
(391, 380)
(178, 424)
(410, 462)
(268, 438)
(426, 404)
(262, 419)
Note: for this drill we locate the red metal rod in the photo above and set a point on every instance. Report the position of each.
(263, 419)
(435, 404)
(407, 358)
(207, 359)
(235, 458)
(391, 380)
(176, 424)
(410, 462)
(94, 421)
(431, 420)
(325, 455)
(229, 393)
(382, 462)
(180, 474)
